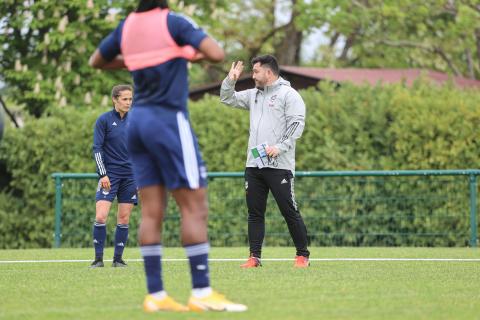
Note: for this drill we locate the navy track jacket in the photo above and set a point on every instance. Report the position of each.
(110, 146)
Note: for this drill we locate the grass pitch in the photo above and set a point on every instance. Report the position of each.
(329, 289)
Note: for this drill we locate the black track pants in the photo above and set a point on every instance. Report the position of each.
(281, 183)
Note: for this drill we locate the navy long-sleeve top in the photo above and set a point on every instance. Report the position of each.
(166, 84)
(110, 146)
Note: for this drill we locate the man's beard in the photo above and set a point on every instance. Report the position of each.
(259, 85)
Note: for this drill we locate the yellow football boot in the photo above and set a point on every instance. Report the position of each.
(152, 304)
(214, 302)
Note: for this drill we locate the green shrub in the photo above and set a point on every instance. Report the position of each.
(350, 128)
(59, 143)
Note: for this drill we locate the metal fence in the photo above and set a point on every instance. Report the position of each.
(341, 208)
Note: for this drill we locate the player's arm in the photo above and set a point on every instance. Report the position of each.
(97, 61)
(98, 154)
(108, 54)
(295, 116)
(209, 50)
(185, 32)
(228, 95)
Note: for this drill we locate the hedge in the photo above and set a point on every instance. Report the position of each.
(347, 128)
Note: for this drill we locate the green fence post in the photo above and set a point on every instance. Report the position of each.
(473, 210)
(58, 210)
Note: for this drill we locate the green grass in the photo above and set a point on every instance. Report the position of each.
(327, 290)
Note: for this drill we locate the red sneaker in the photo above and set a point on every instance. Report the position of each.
(252, 262)
(301, 262)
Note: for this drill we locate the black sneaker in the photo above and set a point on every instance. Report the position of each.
(98, 263)
(118, 263)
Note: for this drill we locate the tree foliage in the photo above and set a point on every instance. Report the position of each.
(46, 45)
(44, 56)
(431, 34)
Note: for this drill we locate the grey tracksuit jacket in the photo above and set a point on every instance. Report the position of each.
(277, 117)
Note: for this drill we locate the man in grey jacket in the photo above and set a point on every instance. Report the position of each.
(277, 119)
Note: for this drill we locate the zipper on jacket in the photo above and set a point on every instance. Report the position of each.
(261, 115)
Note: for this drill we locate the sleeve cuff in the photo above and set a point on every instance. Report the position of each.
(281, 148)
(229, 82)
(198, 40)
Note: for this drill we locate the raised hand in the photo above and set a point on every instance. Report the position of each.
(235, 70)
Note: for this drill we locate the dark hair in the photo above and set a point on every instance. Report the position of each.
(268, 61)
(146, 5)
(121, 87)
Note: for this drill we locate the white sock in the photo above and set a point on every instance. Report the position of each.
(159, 294)
(201, 292)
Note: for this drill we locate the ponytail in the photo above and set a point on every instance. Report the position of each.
(146, 5)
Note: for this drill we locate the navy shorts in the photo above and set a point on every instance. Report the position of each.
(125, 189)
(163, 149)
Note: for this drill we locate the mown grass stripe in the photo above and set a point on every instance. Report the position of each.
(266, 259)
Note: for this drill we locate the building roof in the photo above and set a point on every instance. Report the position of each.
(375, 76)
(304, 77)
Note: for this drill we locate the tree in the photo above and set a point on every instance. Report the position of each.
(46, 45)
(44, 59)
(45, 52)
(432, 34)
(255, 27)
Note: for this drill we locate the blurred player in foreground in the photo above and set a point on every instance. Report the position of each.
(156, 45)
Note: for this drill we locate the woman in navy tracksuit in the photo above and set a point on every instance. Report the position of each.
(115, 175)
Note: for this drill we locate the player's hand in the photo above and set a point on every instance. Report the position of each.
(235, 70)
(272, 151)
(198, 57)
(105, 183)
